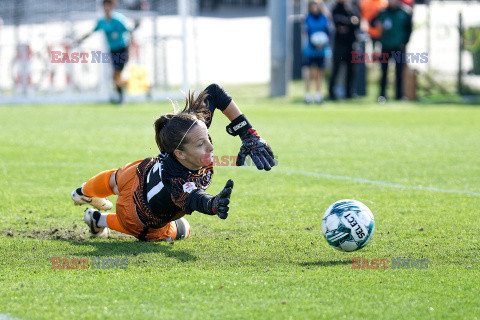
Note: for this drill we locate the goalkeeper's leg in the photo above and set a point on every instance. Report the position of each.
(175, 230)
(119, 85)
(99, 223)
(95, 191)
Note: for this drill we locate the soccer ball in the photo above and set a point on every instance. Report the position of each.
(348, 225)
(319, 39)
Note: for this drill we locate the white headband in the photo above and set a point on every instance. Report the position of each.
(186, 134)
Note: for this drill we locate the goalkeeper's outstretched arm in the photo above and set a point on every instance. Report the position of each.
(252, 145)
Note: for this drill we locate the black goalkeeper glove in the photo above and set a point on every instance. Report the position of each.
(252, 145)
(221, 201)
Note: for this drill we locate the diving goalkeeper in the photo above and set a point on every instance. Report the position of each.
(155, 193)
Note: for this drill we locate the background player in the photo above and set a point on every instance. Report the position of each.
(118, 35)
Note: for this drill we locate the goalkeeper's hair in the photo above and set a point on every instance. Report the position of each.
(171, 128)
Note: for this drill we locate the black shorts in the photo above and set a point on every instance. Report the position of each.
(318, 62)
(119, 58)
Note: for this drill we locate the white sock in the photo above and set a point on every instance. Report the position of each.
(102, 222)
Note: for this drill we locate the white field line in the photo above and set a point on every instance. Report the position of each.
(374, 182)
(6, 317)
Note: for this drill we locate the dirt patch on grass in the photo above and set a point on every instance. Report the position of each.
(73, 234)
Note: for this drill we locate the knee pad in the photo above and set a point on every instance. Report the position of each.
(183, 229)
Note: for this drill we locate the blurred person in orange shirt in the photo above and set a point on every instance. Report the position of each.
(369, 10)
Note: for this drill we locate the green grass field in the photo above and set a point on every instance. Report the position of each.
(416, 167)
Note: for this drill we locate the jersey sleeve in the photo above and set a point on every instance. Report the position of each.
(217, 98)
(122, 25)
(199, 201)
(98, 26)
(337, 17)
(325, 26)
(189, 196)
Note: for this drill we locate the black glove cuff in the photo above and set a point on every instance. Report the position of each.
(211, 210)
(239, 125)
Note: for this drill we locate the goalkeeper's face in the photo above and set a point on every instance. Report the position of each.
(196, 149)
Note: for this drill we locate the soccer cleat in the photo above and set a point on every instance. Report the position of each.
(183, 229)
(99, 203)
(91, 218)
(119, 96)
